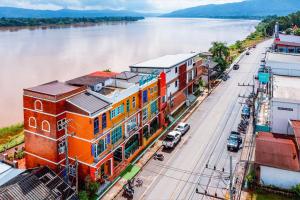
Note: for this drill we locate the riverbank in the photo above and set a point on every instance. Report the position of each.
(15, 24)
(11, 136)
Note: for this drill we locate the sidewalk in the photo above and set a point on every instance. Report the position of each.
(118, 187)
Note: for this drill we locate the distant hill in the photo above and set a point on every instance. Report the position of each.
(245, 9)
(11, 12)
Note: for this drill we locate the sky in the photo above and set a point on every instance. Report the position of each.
(159, 6)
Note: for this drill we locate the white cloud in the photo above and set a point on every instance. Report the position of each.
(137, 5)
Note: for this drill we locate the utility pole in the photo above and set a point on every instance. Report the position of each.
(253, 101)
(67, 150)
(231, 177)
(76, 174)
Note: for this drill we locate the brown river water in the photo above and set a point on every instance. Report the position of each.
(32, 57)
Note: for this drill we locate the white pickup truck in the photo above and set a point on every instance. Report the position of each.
(172, 139)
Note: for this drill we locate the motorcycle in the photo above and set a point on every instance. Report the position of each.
(158, 156)
(128, 191)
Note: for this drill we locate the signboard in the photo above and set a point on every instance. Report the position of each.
(263, 77)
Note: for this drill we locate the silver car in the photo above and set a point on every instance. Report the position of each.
(182, 128)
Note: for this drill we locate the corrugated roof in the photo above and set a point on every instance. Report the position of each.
(167, 61)
(289, 39)
(273, 57)
(277, 151)
(87, 80)
(88, 103)
(53, 88)
(38, 184)
(126, 75)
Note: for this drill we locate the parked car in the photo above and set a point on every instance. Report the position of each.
(234, 141)
(236, 66)
(183, 128)
(172, 139)
(225, 77)
(247, 53)
(246, 111)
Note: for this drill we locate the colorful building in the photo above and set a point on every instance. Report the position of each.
(182, 71)
(104, 119)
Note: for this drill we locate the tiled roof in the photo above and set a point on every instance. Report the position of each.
(53, 88)
(275, 150)
(40, 184)
(104, 74)
(296, 127)
(88, 103)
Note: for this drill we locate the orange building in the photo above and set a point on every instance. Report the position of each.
(110, 120)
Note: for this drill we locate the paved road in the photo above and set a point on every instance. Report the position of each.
(184, 168)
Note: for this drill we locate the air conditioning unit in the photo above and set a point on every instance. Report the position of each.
(61, 150)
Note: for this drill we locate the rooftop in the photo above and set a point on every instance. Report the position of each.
(291, 40)
(296, 127)
(7, 172)
(104, 74)
(37, 184)
(287, 88)
(88, 103)
(88, 80)
(275, 150)
(273, 57)
(167, 61)
(126, 75)
(54, 88)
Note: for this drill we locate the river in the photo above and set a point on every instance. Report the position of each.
(32, 57)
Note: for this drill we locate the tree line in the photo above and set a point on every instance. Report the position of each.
(222, 53)
(10, 22)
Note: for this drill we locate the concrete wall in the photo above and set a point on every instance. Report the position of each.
(281, 113)
(279, 177)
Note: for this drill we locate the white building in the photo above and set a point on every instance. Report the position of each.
(179, 69)
(285, 104)
(283, 64)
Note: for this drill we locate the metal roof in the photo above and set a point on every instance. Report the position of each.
(287, 88)
(53, 88)
(273, 57)
(88, 80)
(7, 173)
(126, 75)
(276, 150)
(37, 184)
(88, 102)
(289, 38)
(167, 61)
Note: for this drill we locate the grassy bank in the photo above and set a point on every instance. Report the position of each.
(11, 136)
(266, 196)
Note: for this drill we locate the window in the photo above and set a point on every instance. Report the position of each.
(145, 96)
(60, 124)
(101, 147)
(155, 89)
(151, 90)
(96, 125)
(145, 114)
(176, 83)
(32, 122)
(189, 62)
(116, 135)
(104, 123)
(154, 107)
(176, 70)
(117, 111)
(133, 102)
(38, 105)
(131, 124)
(128, 105)
(46, 126)
(286, 109)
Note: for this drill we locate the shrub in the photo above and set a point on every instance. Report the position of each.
(296, 189)
(83, 195)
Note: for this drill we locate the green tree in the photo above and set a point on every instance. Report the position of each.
(288, 31)
(239, 46)
(220, 54)
(83, 195)
(297, 32)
